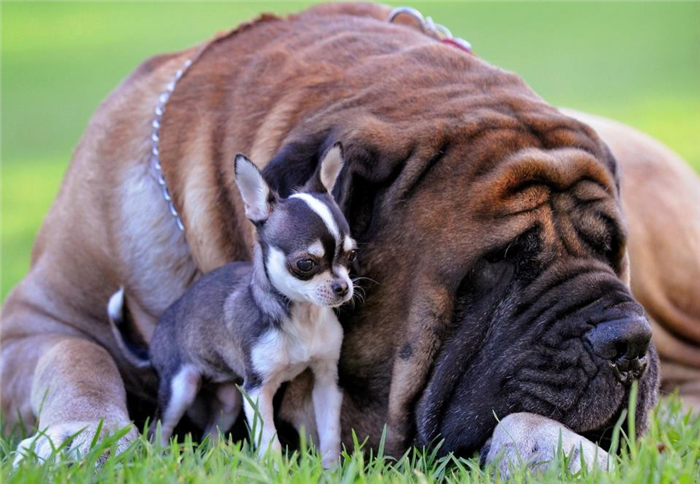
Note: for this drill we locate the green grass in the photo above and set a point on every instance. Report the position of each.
(669, 452)
(635, 62)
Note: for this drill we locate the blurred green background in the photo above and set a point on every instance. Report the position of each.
(635, 62)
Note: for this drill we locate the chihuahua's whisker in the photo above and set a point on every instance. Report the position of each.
(357, 296)
(360, 289)
(364, 278)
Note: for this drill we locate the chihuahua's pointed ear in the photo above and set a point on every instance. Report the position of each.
(331, 165)
(256, 194)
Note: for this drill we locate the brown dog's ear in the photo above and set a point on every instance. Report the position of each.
(257, 196)
(328, 170)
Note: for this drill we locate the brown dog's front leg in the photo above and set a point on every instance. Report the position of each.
(76, 385)
(529, 440)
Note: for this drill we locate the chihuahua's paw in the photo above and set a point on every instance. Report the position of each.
(529, 440)
(330, 460)
(272, 447)
(73, 439)
(331, 454)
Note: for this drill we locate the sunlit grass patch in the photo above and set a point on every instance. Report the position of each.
(669, 452)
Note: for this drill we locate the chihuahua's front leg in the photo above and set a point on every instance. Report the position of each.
(264, 432)
(327, 399)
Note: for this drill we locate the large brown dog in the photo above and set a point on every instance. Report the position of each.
(490, 221)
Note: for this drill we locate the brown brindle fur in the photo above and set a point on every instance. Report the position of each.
(436, 116)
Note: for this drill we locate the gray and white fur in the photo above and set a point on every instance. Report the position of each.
(259, 323)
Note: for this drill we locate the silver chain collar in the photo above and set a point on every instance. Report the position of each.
(427, 26)
(155, 138)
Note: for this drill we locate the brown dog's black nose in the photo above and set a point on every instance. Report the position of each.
(623, 342)
(340, 288)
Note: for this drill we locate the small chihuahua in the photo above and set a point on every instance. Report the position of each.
(260, 323)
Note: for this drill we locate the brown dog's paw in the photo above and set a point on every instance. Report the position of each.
(74, 439)
(525, 439)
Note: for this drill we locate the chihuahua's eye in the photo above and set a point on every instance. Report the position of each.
(352, 255)
(305, 265)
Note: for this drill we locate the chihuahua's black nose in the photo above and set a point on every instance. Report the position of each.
(340, 288)
(623, 342)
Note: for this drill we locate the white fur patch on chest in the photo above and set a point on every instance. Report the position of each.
(312, 333)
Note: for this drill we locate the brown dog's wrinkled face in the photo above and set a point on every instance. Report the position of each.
(522, 264)
(541, 320)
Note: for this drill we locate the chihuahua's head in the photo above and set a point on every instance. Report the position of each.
(305, 239)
